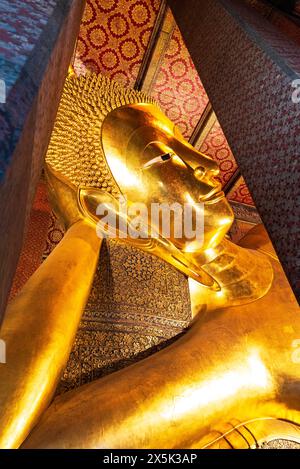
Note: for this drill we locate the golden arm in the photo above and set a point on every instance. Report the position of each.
(233, 366)
(39, 330)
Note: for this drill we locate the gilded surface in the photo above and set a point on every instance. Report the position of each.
(235, 369)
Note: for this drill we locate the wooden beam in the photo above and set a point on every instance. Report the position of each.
(232, 181)
(204, 126)
(151, 45)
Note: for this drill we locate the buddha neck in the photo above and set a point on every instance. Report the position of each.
(243, 275)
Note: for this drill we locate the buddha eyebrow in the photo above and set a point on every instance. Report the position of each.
(158, 159)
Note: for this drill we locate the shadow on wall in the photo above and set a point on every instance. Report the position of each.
(289, 6)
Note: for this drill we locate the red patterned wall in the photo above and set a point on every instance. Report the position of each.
(178, 88)
(240, 193)
(34, 241)
(113, 37)
(216, 146)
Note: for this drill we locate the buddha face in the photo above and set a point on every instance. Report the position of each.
(152, 163)
(110, 141)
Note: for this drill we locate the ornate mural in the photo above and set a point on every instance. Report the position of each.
(113, 37)
(178, 88)
(34, 241)
(138, 303)
(216, 146)
(240, 193)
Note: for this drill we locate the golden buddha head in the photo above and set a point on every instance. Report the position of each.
(109, 141)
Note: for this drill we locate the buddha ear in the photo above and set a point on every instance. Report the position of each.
(63, 196)
(105, 210)
(90, 198)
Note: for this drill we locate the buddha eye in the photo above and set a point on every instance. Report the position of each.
(166, 156)
(158, 160)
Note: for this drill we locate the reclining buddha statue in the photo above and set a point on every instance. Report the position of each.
(232, 379)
